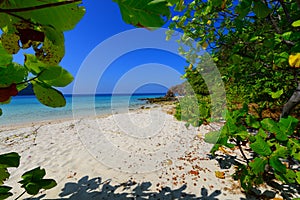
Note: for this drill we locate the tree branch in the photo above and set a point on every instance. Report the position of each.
(292, 103)
(286, 12)
(10, 10)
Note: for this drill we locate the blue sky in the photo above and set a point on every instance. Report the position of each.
(102, 21)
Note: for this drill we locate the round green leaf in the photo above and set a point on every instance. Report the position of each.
(50, 73)
(64, 79)
(48, 96)
(260, 9)
(5, 57)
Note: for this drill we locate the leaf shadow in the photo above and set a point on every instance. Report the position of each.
(95, 188)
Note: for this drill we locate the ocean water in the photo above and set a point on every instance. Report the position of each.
(26, 109)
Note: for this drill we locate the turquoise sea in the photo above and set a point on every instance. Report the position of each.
(25, 109)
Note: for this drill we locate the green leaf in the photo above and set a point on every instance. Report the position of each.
(3, 175)
(244, 135)
(258, 165)
(1, 112)
(272, 126)
(289, 176)
(147, 13)
(243, 8)
(288, 125)
(260, 9)
(261, 147)
(50, 73)
(296, 23)
(281, 151)
(212, 137)
(35, 174)
(261, 133)
(252, 121)
(13, 73)
(9, 160)
(33, 64)
(63, 17)
(298, 177)
(276, 95)
(64, 79)
(47, 183)
(277, 164)
(4, 192)
(32, 188)
(5, 57)
(55, 36)
(48, 96)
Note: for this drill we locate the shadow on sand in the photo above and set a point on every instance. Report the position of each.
(95, 188)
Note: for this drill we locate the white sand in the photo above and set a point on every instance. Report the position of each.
(143, 153)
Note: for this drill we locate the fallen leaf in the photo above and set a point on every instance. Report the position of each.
(220, 175)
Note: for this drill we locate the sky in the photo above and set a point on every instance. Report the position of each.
(139, 69)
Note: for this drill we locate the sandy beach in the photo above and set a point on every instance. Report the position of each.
(141, 154)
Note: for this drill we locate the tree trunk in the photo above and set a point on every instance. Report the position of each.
(292, 103)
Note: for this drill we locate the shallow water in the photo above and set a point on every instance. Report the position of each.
(24, 109)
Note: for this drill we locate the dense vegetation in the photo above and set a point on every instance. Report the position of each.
(255, 45)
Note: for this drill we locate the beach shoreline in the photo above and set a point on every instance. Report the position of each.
(144, 150)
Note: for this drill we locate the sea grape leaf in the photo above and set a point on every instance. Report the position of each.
(277, 164)
(50, 53)
(10, 42)
(33, 64)
(261, 147)
(64, 79)
(258, 165)
(11, 159)
(288, 125)
(62, 17)
(5, 57)
(55, 36)
(147, 13)
(260, 9)
(13, 73)
(48, 95)
(50, 73)
(4, 192)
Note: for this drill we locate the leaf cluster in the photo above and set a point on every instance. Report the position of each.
(274, 147)
(32, 181)
(39, 26)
